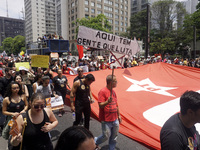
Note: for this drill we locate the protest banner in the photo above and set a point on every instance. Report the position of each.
(30, 55)
(116, 60)
(40, 61)
(102, 40)
(22, 64)
(55, 103)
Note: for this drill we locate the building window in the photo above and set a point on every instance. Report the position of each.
(126, 19)
(99, 12)
(122, 12)
(86, 16)
(92, 10)
(117, 5)
(73, 4)
(86, 9)
(122, 7)
(116, 10)
(122, 24)
(86, 2)
(72, 18)
(122, 18)
(117, 22)
(122, 29)
(116, 16)
(92, 4)
(110, 20)
(116, 28)
(98, 5)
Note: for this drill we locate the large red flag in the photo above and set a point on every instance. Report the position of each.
(147, 96)
(80, 51)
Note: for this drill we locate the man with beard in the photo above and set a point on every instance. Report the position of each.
(80, 74)
(83, 97)
(60, 83)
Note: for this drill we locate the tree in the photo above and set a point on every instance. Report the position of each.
(138, 25)
(14, 45)
(162, 46)
(99, 22)
(18, 44)
(167, 15)
(7, 44)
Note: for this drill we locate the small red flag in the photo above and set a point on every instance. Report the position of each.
(80, 51)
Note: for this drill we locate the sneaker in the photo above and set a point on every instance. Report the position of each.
(59, 115)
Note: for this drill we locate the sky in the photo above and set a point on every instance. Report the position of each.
(14, 8)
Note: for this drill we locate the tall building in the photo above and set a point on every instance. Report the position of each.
(61, 18)
(10, 27)
(49, 16)
(138, 5)
(40, 18)
(117, 11)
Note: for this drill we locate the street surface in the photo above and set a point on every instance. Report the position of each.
(124, 143)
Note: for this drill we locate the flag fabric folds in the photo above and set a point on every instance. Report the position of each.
(147, 96)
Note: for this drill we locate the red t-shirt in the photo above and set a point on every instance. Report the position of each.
(109, 112)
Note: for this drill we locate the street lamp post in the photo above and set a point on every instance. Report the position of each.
(147, 32)
(194, 41)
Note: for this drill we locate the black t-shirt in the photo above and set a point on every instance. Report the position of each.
(4, 82)
(60, 83)
(175, 136)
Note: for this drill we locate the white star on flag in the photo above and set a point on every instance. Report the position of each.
(149, 86)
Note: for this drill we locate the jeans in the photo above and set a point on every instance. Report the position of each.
(109, 130)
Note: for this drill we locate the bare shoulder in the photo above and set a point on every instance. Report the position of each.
(6, 99)
(76, 83)
(48, 111)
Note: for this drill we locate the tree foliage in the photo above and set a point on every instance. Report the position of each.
(138, 25)
(14, 45)
(167, 24)
(99, 22)
(167, 15)
(162, 46)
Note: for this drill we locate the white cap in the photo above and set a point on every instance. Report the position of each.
(23, 68)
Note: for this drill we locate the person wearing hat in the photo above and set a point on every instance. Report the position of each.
(26, 77)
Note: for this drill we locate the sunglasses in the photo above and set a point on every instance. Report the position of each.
(38, 106)
(80, 71)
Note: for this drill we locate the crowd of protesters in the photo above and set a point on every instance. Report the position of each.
(17, 85)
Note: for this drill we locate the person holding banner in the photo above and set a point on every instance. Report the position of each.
(60, 83)
(81, 92)
(109, 113)
(40, 121)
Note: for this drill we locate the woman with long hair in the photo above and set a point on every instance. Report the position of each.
(18, 79)
(40, 121)
(14, 104)
(37, 83)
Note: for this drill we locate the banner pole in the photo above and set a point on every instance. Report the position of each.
(112, 82)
